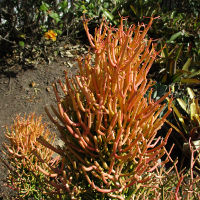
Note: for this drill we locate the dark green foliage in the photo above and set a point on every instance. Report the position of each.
(23, 23)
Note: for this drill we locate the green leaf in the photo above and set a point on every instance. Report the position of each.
(108, 15)
(21, 44)
(191, 93)
(44, 7)
(134, 9)
(59, 31)
(190, 81)
(182, 104)
(83, 7)
(193, 74)
(43, 28)
(64, 5)
(173, 15)
(174, 37)
(177, 77)
(22, 36)
(55, 16)
(187, 64)
(178, 53)
(165, 50)
(170, 54)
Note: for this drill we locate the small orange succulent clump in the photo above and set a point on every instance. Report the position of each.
(50, 34)
(23, 135)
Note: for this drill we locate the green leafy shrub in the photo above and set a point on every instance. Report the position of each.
(187, 119)
(173, 71)
(24, 24)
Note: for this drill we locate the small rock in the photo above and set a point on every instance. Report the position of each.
(76, 46)
(59, 142)
(32, 84)
(69, 64)
(68, 54)
(48, 89)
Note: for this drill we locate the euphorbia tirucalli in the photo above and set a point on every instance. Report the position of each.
(108, 123)
(25, 156)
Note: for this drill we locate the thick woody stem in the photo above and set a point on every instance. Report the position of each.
(48, 145)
